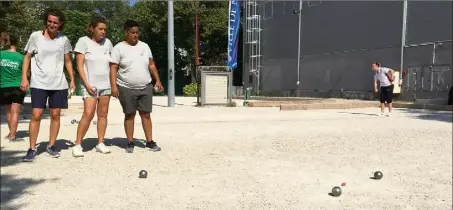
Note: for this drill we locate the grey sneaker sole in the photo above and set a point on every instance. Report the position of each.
(14, 139)
(29, 160)
(54, 155)
(154, 149)
(129, 149)
(17, 140)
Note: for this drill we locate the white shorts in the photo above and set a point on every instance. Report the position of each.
(101, 92)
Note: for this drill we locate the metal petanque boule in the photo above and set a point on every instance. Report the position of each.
(378, 175)
(157, 90)
(143, 174)
(336, 191)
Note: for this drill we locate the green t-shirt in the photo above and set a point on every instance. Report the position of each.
(10, 69)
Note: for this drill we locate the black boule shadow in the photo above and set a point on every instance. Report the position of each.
(358, 113)
(330, 194)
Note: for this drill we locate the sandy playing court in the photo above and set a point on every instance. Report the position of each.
(242, 158)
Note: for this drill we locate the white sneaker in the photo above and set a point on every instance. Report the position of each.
(389, 115)
(380, 114)
(77, 151)
(102, 148)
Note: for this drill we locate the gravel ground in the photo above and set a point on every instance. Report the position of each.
(242, 158)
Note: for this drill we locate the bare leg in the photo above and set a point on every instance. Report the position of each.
(89, 106)
(13, 120)
(54, 125)
(129, 126)
(102, 112)
(390, 107)
(147, 125)
(382, 107)
(35, 122)
(8, 118)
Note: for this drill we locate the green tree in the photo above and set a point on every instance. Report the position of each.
(213, 28)
(152, 16)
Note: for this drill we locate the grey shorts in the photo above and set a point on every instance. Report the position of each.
(133, 100)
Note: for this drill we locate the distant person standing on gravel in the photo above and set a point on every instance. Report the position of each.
(93, 56)
(11, 96)
(130, 78)
(48, 52)
(385, 76)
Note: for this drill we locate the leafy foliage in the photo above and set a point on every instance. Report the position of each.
(190, 89)
(23, 17)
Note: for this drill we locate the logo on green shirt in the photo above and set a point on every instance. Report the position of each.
(10, 69)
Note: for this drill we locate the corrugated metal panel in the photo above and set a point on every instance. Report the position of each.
(340, 39)
(429, 21)
(338, 26)
(216, 89)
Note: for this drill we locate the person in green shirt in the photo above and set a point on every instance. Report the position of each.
(11, 96)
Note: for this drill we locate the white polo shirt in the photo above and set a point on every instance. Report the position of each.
(97, 61)
(47, 61)
(380, 75)
(133, 61)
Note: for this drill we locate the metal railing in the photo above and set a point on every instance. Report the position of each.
(428, 78)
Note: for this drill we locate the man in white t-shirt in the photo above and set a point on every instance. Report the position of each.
(385, 76)
(131, 64)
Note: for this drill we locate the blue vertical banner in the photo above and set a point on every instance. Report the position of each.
(233, 33)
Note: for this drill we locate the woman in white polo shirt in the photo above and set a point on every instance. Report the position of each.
(47, 52)
(93, 55)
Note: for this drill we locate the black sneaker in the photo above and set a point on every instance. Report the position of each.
(130, 147)
(30, 156)
(52, 150)
(152, 146)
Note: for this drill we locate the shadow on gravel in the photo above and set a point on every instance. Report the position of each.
(359, 113)
(89, 144)
(24, 115)
(60, 144)
(442, 116)
(13, 187)
(19, 134)
(122, 142)
(9, 158)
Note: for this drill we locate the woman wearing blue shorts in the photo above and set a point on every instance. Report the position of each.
(47, 52)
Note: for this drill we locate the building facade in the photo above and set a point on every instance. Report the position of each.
(325, 48)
